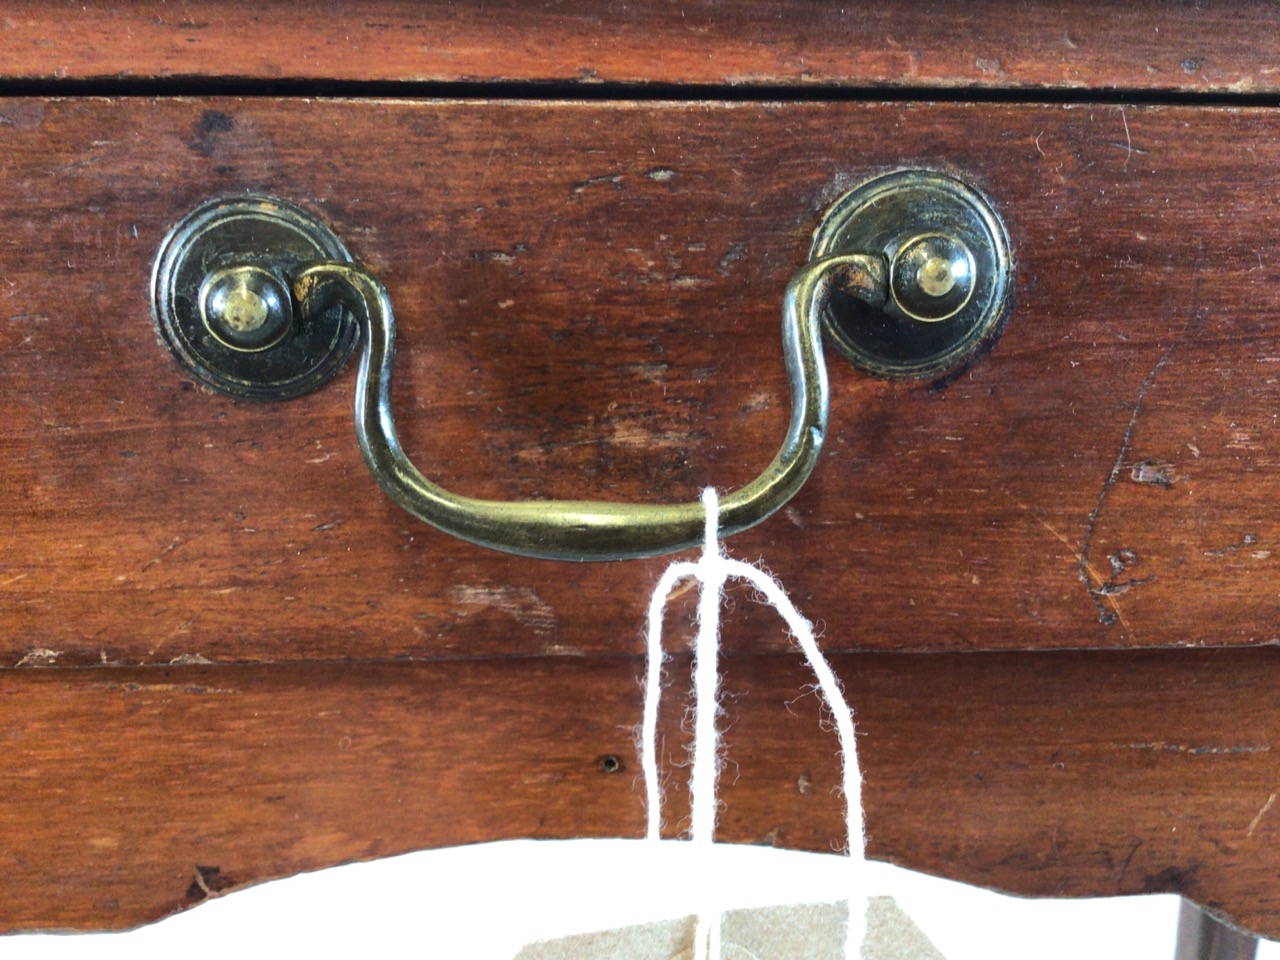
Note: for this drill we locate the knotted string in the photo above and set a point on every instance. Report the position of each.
(712, 570)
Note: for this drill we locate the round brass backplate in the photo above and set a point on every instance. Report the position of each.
(262, 238)
(950, 274)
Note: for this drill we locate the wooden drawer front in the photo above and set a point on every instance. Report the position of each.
(588, 298)
(588, 305)
(1059, 774)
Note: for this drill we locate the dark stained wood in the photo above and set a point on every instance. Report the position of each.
(588, 298)
(1150, 45)
(1045, 774)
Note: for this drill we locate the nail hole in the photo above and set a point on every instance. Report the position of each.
(610, 763)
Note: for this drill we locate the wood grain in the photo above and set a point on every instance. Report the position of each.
(1152, 45)
(1045, 774)
(588, 298)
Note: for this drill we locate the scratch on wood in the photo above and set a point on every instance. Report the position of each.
(1129, 148)
(1249, 540)
(1154, 472)
(1162, 746)
(192, 688)
(1121, 561)
(207, 883)
(690, 583)
(39, 657)
(1098, 580)
(612, 179)
(189, 659)
(1253, 824)
(177, 542)
(520, 603)
(1109, 614)
(737, 250)
(639, 437)
(1128, 140)
(1124, 867)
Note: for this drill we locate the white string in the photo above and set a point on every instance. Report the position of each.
(712, 569)
(653, 690)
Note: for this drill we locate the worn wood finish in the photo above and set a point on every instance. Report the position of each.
(1149, 45)
(588, 299)
(1045, 774)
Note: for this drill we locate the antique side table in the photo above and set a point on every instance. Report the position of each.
(1040, 543)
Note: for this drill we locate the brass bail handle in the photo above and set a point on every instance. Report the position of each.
(255, 298)
(589, 529)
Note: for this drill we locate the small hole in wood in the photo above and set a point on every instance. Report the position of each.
(611, 764)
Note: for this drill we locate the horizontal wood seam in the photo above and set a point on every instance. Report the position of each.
(675, 656)
(201, 86)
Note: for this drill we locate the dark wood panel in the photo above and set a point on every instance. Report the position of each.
(588, 298)
(1046, 774)
(1150, 45)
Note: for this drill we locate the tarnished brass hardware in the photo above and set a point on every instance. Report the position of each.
(220, 299)
(246, 308)
(950, 274)
(591, 530)
(931, 278)
(259, 300)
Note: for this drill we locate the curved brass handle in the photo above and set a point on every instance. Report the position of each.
(585, 529)
(242, 287)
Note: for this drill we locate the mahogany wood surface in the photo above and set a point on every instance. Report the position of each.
(1064, 774)
(1150, 45)
(588, 300)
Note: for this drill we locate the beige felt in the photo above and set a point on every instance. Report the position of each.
(813, 931)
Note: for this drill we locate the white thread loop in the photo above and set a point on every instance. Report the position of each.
(712, 570)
